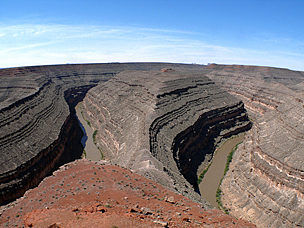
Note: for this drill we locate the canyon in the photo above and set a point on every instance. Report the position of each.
(37, 121)
(265, 181)
(163, 121)
(163, 125)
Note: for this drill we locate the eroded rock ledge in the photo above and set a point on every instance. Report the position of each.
(265, 182)
(38, 130)
(163, 124)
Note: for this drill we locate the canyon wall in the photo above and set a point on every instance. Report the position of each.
(38, 129)
(163, 125)
(265, 182)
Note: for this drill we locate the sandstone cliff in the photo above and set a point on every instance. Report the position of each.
(164, 125)
(265, 182)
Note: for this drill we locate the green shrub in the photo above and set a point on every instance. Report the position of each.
(88, 122)
(84, 154)
(100, 152)
(94, 136)
(201, 176)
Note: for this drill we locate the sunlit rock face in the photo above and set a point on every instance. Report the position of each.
(265, 182)
(163, 124)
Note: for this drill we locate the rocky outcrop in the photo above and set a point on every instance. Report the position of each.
(38, 130)
(265, 182)
(95, 194)
(29, 139)
(164, 125)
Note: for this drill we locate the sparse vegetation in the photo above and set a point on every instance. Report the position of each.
(94, 140)
(94, 136)
(84, 154)
(219, 191)
(88, 122)
(201, 176)
(100, 152)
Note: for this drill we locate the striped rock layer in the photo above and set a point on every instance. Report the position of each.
(265, 182)
(163, 125)
(38, 129)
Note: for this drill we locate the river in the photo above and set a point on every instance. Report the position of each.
(212, 178)
(91, 149)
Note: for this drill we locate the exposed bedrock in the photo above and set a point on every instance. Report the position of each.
(38, 129)
(21, 82)
(163, 125)
(265, 182)
(34, 135)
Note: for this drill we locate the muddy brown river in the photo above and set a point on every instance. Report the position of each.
(212, 178)
(87, 141)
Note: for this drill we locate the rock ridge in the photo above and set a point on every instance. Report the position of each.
(144, 118)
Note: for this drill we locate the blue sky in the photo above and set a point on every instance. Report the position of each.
(261, 32)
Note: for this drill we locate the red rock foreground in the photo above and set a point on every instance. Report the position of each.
(96, 194)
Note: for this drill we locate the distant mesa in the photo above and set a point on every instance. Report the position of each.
(167, 70)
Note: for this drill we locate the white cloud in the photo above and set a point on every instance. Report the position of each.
(40, 44)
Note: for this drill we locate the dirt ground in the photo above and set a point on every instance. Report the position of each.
(95, 194)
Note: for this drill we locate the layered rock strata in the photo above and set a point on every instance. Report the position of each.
(38, 129)
(164, 125)
(265, 182)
